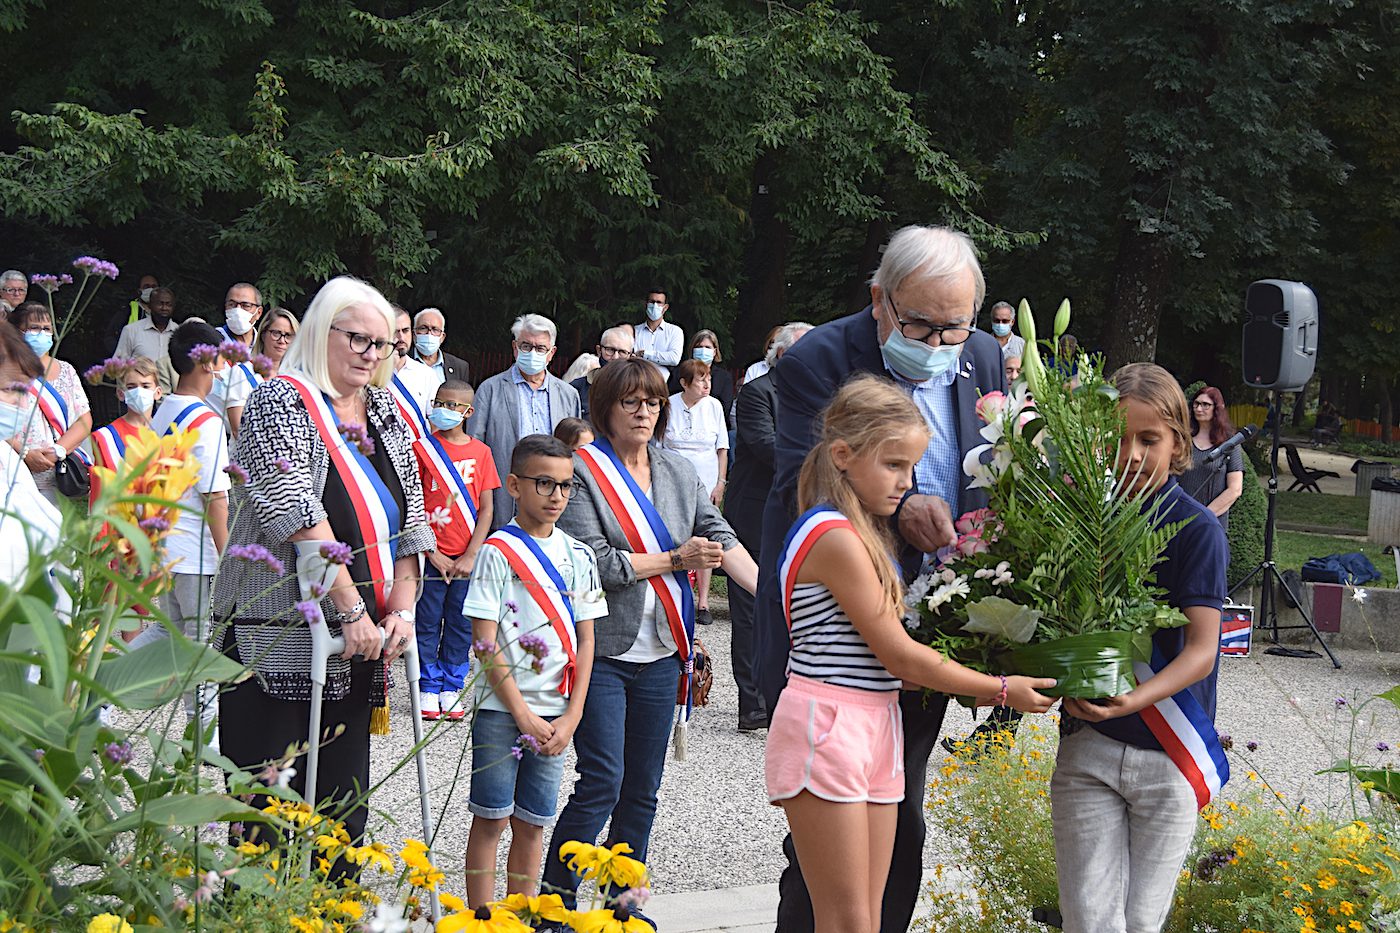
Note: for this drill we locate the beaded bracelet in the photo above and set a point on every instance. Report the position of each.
(354, 614)
(1001, 697)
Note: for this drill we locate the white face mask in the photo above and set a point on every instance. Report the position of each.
(140, 399)
(655, 309)
(146, 295)
(238, 321)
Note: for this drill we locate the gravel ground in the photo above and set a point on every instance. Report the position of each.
(714, 828)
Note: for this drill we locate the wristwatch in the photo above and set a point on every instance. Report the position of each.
(676, 562)
(408, 615)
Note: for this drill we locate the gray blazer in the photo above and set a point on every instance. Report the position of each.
(496, 423)
(686, 510)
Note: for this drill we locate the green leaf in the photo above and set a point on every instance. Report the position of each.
(1382, 780)
(161, 671)
(999, 617)
(1391, 696)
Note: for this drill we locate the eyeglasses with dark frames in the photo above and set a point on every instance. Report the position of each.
(359, 343)
(245, 305)
(281, 336)
(464, 407)
(921, 331)
(545, 486)
(633, 405)
(427, 330)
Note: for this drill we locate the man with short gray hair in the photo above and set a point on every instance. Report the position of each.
(614, 344)
(521, 401)
(920, 333)
(1004, 330)
(429, 333)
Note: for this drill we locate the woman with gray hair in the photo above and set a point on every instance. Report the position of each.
(332, 490)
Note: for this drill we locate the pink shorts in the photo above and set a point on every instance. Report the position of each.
(837, 743)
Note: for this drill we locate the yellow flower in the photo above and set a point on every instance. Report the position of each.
(249, 849)
(609, 921)
(547, 907)
(606, 866)
(108, 923)
(451, 902)
(302, 925)
(376, 854)
(483, 920)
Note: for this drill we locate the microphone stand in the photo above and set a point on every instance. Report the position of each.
(1267, 570)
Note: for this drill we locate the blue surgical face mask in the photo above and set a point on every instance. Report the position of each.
(1001, 329)
(13, 419)
(444, 419)
(531, 363)
(140, 399)
(916, 360)
(41, 342)
(427, 344)
(705, 355)
(655, 309)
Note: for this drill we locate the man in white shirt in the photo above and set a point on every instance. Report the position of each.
(150, 336)
(243, 308)
(658, 340)
(429, 332)
(1003, 323)
(421, 380)
(201, 532)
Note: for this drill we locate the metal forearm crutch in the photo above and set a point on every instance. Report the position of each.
(323, 648)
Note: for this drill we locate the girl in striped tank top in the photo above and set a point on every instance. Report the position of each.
(834, 759)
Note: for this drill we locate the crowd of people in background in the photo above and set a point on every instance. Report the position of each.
(563, 532)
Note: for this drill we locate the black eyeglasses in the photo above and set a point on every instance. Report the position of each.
(427, 331)
(921, 330)
(464, 407)
(546, 486)
(612, 353)
(245, 305)
(280, 336)
(632, 405)
(359, 343)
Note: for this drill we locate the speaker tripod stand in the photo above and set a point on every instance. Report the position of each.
(1267, 570)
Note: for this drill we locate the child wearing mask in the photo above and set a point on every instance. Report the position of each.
(458, 477)
(141, 392)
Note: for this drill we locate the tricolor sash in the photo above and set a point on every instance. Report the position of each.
(646, 534)
(801, 537)
(376, 512)
(54, 409)
(248, 373)
(545, 585)
(462, 503)
(109, 445)
(408, 408)
(1187, 735)
(191, 418)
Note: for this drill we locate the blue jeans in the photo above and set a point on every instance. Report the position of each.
(621, 749)
(444, 634)
(502, 785)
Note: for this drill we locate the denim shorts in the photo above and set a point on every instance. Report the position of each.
(527, 789)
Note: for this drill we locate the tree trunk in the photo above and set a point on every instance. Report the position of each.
(877, 233)
(1141, 278)
(762, 301)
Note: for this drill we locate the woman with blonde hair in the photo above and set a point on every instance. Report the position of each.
(332, 488)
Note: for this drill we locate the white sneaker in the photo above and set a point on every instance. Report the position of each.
(428, 706)
(452, 705)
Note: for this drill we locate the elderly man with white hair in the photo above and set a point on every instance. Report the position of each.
(615, 344)
(429, 332)
(919, 332)
(521, 401)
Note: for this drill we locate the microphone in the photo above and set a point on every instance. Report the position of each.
(1230, 444)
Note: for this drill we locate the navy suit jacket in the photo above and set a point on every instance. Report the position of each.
(808, 376)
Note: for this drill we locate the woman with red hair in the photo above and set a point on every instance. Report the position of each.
(1215, 485)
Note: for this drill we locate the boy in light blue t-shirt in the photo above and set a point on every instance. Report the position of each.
(535, 593)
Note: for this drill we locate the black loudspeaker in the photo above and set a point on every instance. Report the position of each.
(1280, 335)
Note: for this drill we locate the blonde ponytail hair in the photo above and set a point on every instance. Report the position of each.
(867, 413)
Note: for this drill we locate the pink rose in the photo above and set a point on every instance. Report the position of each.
(990, 406)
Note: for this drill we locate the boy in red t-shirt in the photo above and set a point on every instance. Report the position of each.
(458, 476)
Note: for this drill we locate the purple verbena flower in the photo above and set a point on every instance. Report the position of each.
(1382, 746)
(154, 524)
(337, 552)
(91, 265)
(258, 554)
(283, 465)
(1252, 746)
(512, 606)
(517, 752)
(262, 365)
(317, 590)
(204, 353)
(95, 373)
(1226, 742)
(235, 351)
(118, 753)
(528, 741)
(50, 283)
(1340, 702)
(358, 436)
(237, 473)
(310, 612)
(37, 755)
(534, 645)
(483, 647)
(634, 898)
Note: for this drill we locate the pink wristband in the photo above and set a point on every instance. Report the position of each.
(1001, 697)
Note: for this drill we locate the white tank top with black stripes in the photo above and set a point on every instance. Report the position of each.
(827, 647)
